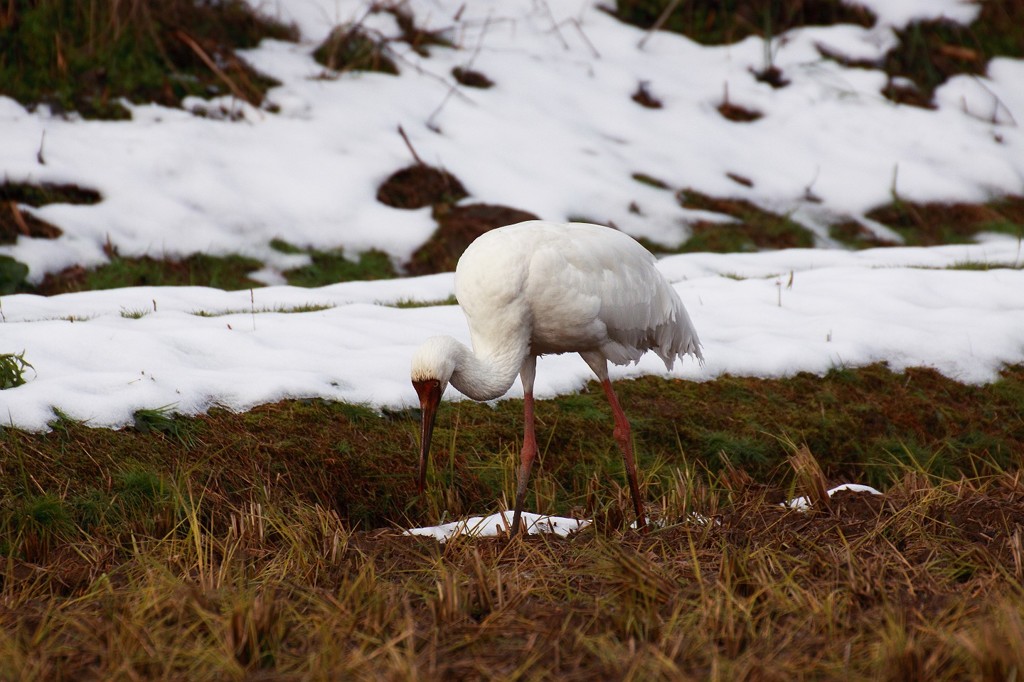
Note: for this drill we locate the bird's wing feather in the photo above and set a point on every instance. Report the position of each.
(597, 285)
(543, 287)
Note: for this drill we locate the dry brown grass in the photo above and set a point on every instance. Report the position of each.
(266, 545)
(924, 583)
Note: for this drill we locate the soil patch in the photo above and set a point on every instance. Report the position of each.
(16, 223)
(420, 185)
(737, 113)
(942, 223)
(644, 98)
(471, 78)
(852, 233)
(458, 226)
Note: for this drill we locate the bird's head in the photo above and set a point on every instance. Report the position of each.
(432, 367)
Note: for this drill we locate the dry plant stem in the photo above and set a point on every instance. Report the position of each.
(554, 26)
(579, 28)
(18, 218)
(412, 150)
(662, 18)
(201, 53)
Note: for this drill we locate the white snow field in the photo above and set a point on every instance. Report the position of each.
(557, 135)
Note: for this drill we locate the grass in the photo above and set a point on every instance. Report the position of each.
(410, 303)
(86, 56)
(228, 272)
(330, 267)
(927, 53)
(231, 273)
(715, 23)
(930, 52)
(942, 223)
(284, 309)
(263, 545)
(859, 424)
(41, 194)
(12, 369)
(753, 228)
(353, 47)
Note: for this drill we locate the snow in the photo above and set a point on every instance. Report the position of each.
(499, 524)
(558, 135)
(804, 503)
(100, 356)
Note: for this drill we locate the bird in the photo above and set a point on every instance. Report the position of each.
(538, 288)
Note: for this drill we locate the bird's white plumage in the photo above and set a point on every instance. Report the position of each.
(537, 288)
(570, 288)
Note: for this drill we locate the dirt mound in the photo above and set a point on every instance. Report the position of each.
(457, 229)
(14, 223)
(420, 185)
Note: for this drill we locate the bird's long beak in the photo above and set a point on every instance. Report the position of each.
(430, 397)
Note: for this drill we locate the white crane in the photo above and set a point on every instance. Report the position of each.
(538, 288)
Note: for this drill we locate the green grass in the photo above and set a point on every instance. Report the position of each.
(12, 369)
(162, 420)
(930, 52)
(228, 272)
(85, 56)
(408, 303)
(331, 267)
(861, 424)
(41, 194)
(753, 229)
(284, 309)
(12, 275)
(222, 272)
(650, 181)
(926, 52)
(944, 223)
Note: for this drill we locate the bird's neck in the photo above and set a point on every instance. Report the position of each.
(488, 374)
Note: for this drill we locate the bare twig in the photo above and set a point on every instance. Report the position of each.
(412, 150)
(998, 104)
(454, 88)
(579, 27)
(39, 154)
(212, 65)
(659, 22)
(554, 25)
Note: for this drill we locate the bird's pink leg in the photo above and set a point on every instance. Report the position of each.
(526, 458)
(624, 436)
(529, 452)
